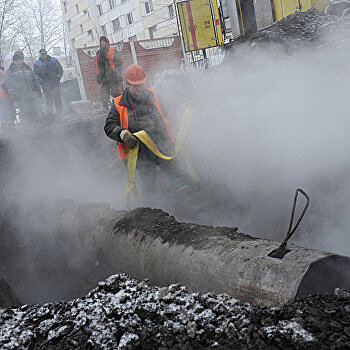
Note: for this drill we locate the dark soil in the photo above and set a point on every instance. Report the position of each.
(300, 29)
(122, 313)
(158, 224)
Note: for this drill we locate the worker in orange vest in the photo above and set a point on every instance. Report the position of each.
(108, 71)
(138, 108)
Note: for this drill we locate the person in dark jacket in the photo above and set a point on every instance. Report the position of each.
(138, 108)
(108, 71)
(23, 88)
(49, 73)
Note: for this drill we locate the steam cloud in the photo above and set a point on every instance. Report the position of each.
(267, 123)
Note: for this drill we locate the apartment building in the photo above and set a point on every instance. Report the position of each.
(159, 18)
(132, 20)
(120, 20)
(81, 21)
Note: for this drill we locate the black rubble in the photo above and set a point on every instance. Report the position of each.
(122, 313)
(299, 30)
(300, 27)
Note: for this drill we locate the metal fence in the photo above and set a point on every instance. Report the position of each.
(203, 59)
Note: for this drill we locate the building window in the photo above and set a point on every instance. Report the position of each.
(81, 28)
(103, 30)
(132, 38)
(111, 4)
(65, 6)
(149, 6)
(91, 34)
(129, 18)
(77, 8)
(171, 11)
(152, 30)
(86, 12)
(68, 24)
(116, 24)
(100, 10)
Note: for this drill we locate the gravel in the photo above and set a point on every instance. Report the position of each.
(123, 313)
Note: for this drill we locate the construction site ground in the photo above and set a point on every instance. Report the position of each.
(50, 302)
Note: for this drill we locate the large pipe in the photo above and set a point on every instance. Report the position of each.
(148, 243)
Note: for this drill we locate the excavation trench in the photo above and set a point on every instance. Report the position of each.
(55, 249)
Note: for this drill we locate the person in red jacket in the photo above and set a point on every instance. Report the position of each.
(108, 71)
(7, 111)
(138, 108)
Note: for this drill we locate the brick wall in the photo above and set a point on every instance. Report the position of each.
(154, 56)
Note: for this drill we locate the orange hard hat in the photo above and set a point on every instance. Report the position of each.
(135, 75)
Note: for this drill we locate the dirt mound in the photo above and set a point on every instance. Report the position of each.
(122, 313)
(300, 29)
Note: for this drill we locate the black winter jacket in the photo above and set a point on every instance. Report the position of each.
(49, 71)
(142, 115)
(21, 82)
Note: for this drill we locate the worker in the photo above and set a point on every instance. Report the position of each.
(108, 71)
(49, 73)
(138, 109)
(23, 88)
(7, 111)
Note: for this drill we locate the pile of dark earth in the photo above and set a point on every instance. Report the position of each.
(122, 313)
(300, 29)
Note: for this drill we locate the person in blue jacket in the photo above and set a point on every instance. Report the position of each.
(49, 73)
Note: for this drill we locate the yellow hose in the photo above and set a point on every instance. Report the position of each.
(143, 137)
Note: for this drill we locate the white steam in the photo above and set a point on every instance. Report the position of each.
(266, 124)
(59, 161)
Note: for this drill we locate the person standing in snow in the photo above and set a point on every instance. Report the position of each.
(109, 70)
(23, 88)
(49, 73)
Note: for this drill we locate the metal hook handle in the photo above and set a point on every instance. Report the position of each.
(290, 230)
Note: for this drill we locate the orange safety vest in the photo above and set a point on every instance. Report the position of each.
(110, 58)
(3, 93)
(124, 123)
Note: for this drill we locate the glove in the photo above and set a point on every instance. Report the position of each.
(128, 138)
